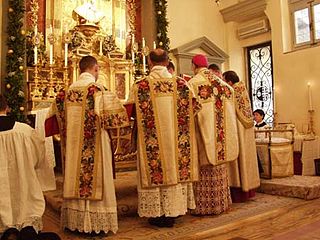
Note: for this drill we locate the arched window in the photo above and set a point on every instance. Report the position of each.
(261, 79)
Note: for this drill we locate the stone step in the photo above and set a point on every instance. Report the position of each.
(305, 187)
(126, 193)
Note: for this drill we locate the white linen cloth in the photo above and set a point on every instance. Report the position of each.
(48, 180)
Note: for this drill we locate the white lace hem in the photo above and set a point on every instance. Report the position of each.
(35, 222)
(88, 222)
(170, 201)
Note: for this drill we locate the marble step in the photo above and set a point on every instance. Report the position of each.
(126, 194)
(305, 187)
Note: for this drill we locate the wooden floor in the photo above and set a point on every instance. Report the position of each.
(265, 217)
(290, 223)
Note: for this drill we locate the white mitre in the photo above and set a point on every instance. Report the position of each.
(89, 12)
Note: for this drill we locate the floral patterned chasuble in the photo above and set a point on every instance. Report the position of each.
(218, 133)
(156, 134)
(243, 105)
(87, 180)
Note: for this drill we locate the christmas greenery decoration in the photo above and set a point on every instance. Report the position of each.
(162, 24)
(15, 60)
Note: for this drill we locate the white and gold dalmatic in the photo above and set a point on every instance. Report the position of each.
(244, 172)
(84, 114)
(218, 144)
(167, 149)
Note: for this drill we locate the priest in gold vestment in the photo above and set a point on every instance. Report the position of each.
(244, 173)
(167, 149)
(85, 112)
(217, 138)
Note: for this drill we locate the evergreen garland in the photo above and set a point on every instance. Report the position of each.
(162, 24)
(15, 60)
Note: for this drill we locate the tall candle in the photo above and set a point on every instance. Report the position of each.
(66, 54)
(132, 50)
(154, 45)
(310, 97)
(35, 45)
(100, 51)
(143, 56)
(65, 48)
(274, 100)
(51, 48)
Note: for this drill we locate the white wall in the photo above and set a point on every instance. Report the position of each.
(292, 72)
(190, 19)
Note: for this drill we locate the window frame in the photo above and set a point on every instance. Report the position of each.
(296, 5)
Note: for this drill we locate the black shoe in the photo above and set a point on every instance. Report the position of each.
(162, 221)
(28, 233)
(48, 236)
(10, 234)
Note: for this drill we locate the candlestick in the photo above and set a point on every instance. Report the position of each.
(65, 78)
(154, 45)
(35, 45)
(51, 47)
(51, 93)
(36, 89)
(143, 55)
(132, 48)
(310, 97)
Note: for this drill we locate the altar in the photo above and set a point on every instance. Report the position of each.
(307, 149)
(275, 152)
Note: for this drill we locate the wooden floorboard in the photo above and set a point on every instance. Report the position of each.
(266, 217)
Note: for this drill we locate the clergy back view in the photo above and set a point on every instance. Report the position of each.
(167, 150)
(84, 114)
(22, 154)
(217, 138)
(244, 173)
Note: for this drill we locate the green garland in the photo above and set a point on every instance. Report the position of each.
(162, 24)
(15, 60)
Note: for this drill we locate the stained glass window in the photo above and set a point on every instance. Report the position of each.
(261, 79)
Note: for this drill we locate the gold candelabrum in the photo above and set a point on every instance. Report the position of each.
(36, 93)
(311, 123)
(65, 78)
(275, 119)
(144, 52)
(51, 93)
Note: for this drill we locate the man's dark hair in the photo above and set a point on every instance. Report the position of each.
(3, 103)
(171, 65)
(86, 63)
(158, 56)
(260, 112)
(231, 76)
(214, 67)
